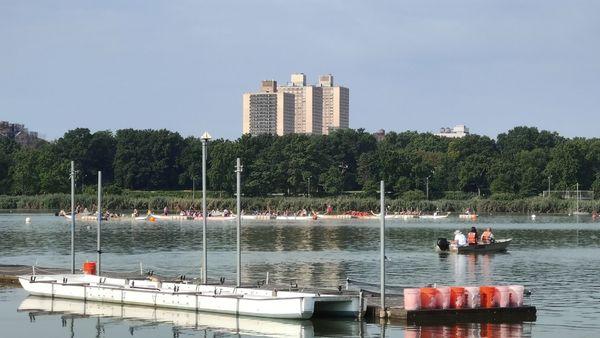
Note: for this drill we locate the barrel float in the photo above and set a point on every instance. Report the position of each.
(458, 297)
(516, 295)
(487, 293)
(443, 297)
(473, 299)
(428, 298)
(502, 296)
(412, 299)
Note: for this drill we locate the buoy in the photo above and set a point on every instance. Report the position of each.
(27, 220)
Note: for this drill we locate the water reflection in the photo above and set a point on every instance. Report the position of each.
(471, 330)
(73, 310)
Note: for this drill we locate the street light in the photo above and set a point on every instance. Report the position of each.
(205, 138)
(427, 183)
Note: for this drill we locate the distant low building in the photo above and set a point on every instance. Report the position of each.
(459, 131)
(19, 133)
(379, 135)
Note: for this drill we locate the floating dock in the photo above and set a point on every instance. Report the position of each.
(394, 312)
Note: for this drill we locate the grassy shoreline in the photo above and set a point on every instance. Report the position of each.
(175, 201)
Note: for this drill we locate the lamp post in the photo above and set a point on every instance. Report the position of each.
(427, 186)
(549, 177)
(205, 138)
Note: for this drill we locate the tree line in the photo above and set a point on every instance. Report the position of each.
(521, 162)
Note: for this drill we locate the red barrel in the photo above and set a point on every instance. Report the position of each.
(89, 268)
(428, 298)
(486, 293)
(458, 297)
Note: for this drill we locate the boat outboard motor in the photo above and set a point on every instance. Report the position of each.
(443, 244)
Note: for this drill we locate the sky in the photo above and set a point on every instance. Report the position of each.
(410, 65)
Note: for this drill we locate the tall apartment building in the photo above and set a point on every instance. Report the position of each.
(308, 112)
(268, 111)
(317, 109)
(336, 104)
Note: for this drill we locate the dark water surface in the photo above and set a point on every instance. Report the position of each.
(558, 258)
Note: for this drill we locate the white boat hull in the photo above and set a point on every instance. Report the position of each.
(220, 299)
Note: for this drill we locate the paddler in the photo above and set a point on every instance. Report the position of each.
(487, 236)
(472, 236)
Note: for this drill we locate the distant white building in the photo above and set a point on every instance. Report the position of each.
(460, 130)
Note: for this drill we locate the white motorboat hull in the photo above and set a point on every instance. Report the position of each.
(208, 298)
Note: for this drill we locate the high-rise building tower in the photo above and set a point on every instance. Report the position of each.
(268, 111)
(336, 104)
(308, 112)
(315, 109)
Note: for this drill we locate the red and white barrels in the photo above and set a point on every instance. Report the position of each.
(457, 297)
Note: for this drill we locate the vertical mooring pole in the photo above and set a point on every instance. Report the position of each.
(238, 170)
(99, 250)
(382, 242)
(204, 213)
(72, 217)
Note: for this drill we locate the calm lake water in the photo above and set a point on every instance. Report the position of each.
(556, 257)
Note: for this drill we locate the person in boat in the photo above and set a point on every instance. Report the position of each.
(472, 236)
(487, 236)
(459, 238)
(136, 213)
(166, 211)
(329, 209)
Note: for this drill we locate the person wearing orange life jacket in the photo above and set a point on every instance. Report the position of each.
(472, 236)
(487, 236)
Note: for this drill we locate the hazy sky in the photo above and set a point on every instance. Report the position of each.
(410, 65)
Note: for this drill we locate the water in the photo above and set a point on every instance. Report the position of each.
(556, 257)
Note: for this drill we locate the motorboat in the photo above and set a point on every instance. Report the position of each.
(186, 295)
(499, 245)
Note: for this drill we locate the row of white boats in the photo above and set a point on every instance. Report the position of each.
(287, 217)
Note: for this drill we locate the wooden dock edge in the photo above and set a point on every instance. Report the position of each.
(450, 316)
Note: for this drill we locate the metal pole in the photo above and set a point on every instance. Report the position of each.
(204, 251)
(98, 260)
(427, 184)
(72, 217)
(549, 185)
(238, 170)
(382, 242)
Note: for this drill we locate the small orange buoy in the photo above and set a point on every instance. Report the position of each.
(89, 268)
